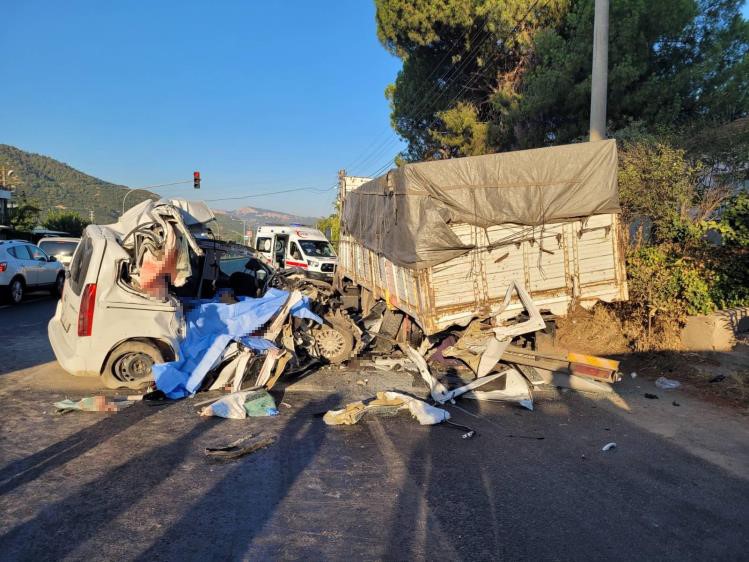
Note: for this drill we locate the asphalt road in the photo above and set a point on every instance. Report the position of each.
(531, 485)
(23, 329)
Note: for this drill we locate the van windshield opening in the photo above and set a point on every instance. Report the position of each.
(317, 248)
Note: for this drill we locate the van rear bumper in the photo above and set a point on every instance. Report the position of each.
(72, 362)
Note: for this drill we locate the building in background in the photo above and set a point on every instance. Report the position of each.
(4, 212)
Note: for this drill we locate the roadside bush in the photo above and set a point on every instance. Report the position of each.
(664, 287)
(670, 206)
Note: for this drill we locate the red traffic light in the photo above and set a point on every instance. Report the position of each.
(196, 180)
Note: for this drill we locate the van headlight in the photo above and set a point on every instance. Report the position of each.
(313, 263)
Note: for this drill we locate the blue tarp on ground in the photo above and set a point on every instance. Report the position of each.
(211, 326)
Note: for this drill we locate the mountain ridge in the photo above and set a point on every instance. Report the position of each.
(53, 184)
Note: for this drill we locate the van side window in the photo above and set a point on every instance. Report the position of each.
(295, 252)
(79, 265)
(263, 244)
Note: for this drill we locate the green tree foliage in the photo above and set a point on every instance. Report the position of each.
(671, 62)
(331, 227)
(674, 269)
(65, 221)
(524, 67)
(24, 216)
(454, 51)
(657, 186)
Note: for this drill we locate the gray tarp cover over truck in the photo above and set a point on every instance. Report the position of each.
(405, 214)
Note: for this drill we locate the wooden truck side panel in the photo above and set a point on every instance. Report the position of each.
(556, 263)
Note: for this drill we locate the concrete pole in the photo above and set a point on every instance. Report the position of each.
(599, 79)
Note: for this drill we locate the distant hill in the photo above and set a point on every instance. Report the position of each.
(256, 216)
(52, 184)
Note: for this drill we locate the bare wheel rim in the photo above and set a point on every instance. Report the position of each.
(133, 367)
(331, 342)
(16, 291)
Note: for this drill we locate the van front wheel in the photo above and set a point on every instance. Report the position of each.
(129, 365)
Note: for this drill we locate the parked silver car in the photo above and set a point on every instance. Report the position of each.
(26, 267)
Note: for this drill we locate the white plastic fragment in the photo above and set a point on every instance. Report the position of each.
(666, 384)
(633, 375)
(609, 446)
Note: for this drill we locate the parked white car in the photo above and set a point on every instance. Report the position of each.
(62, 248)
(25, 267)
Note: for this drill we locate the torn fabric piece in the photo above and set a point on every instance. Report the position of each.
(93, 404)
(211, 326)
(387, 404)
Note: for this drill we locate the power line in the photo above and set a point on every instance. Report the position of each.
(515, 28)
(280, 192)
(450, 51)
(452, 74)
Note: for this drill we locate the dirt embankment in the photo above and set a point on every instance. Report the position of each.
(719, 377)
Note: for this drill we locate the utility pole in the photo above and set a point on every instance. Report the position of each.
(599, 78)
(91, 216)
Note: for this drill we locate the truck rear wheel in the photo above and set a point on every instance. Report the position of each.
(129, 365)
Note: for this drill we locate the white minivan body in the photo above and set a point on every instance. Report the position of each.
(103, 324)
(100, 316)
(295, 246)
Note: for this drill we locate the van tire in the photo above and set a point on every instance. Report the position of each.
(129, 365)
(334, 343)
(56, 290)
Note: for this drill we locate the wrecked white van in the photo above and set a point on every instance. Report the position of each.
(122, 306)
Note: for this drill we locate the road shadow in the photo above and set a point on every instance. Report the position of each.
(506, 494)
(223, 523)
(34, 466)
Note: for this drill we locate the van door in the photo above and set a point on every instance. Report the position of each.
(264, 246)
(279, 250)
(295, 258)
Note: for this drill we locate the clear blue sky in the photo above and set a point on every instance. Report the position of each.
(258, 96)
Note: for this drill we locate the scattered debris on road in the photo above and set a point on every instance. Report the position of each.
(240, 405)
(608, 446)
(651, 396)
(240, 447)
(387, 404)
(666, 384)
(93, 404)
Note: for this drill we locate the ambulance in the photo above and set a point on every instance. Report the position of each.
(289, 246)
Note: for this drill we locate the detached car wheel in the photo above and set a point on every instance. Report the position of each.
(129, 365)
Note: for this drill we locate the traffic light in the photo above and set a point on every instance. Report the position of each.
(196, 180)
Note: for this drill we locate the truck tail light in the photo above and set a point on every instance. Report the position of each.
(86, 310)
(3, 266)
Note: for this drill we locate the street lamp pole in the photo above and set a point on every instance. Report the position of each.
(129, 191)
(244, 227)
